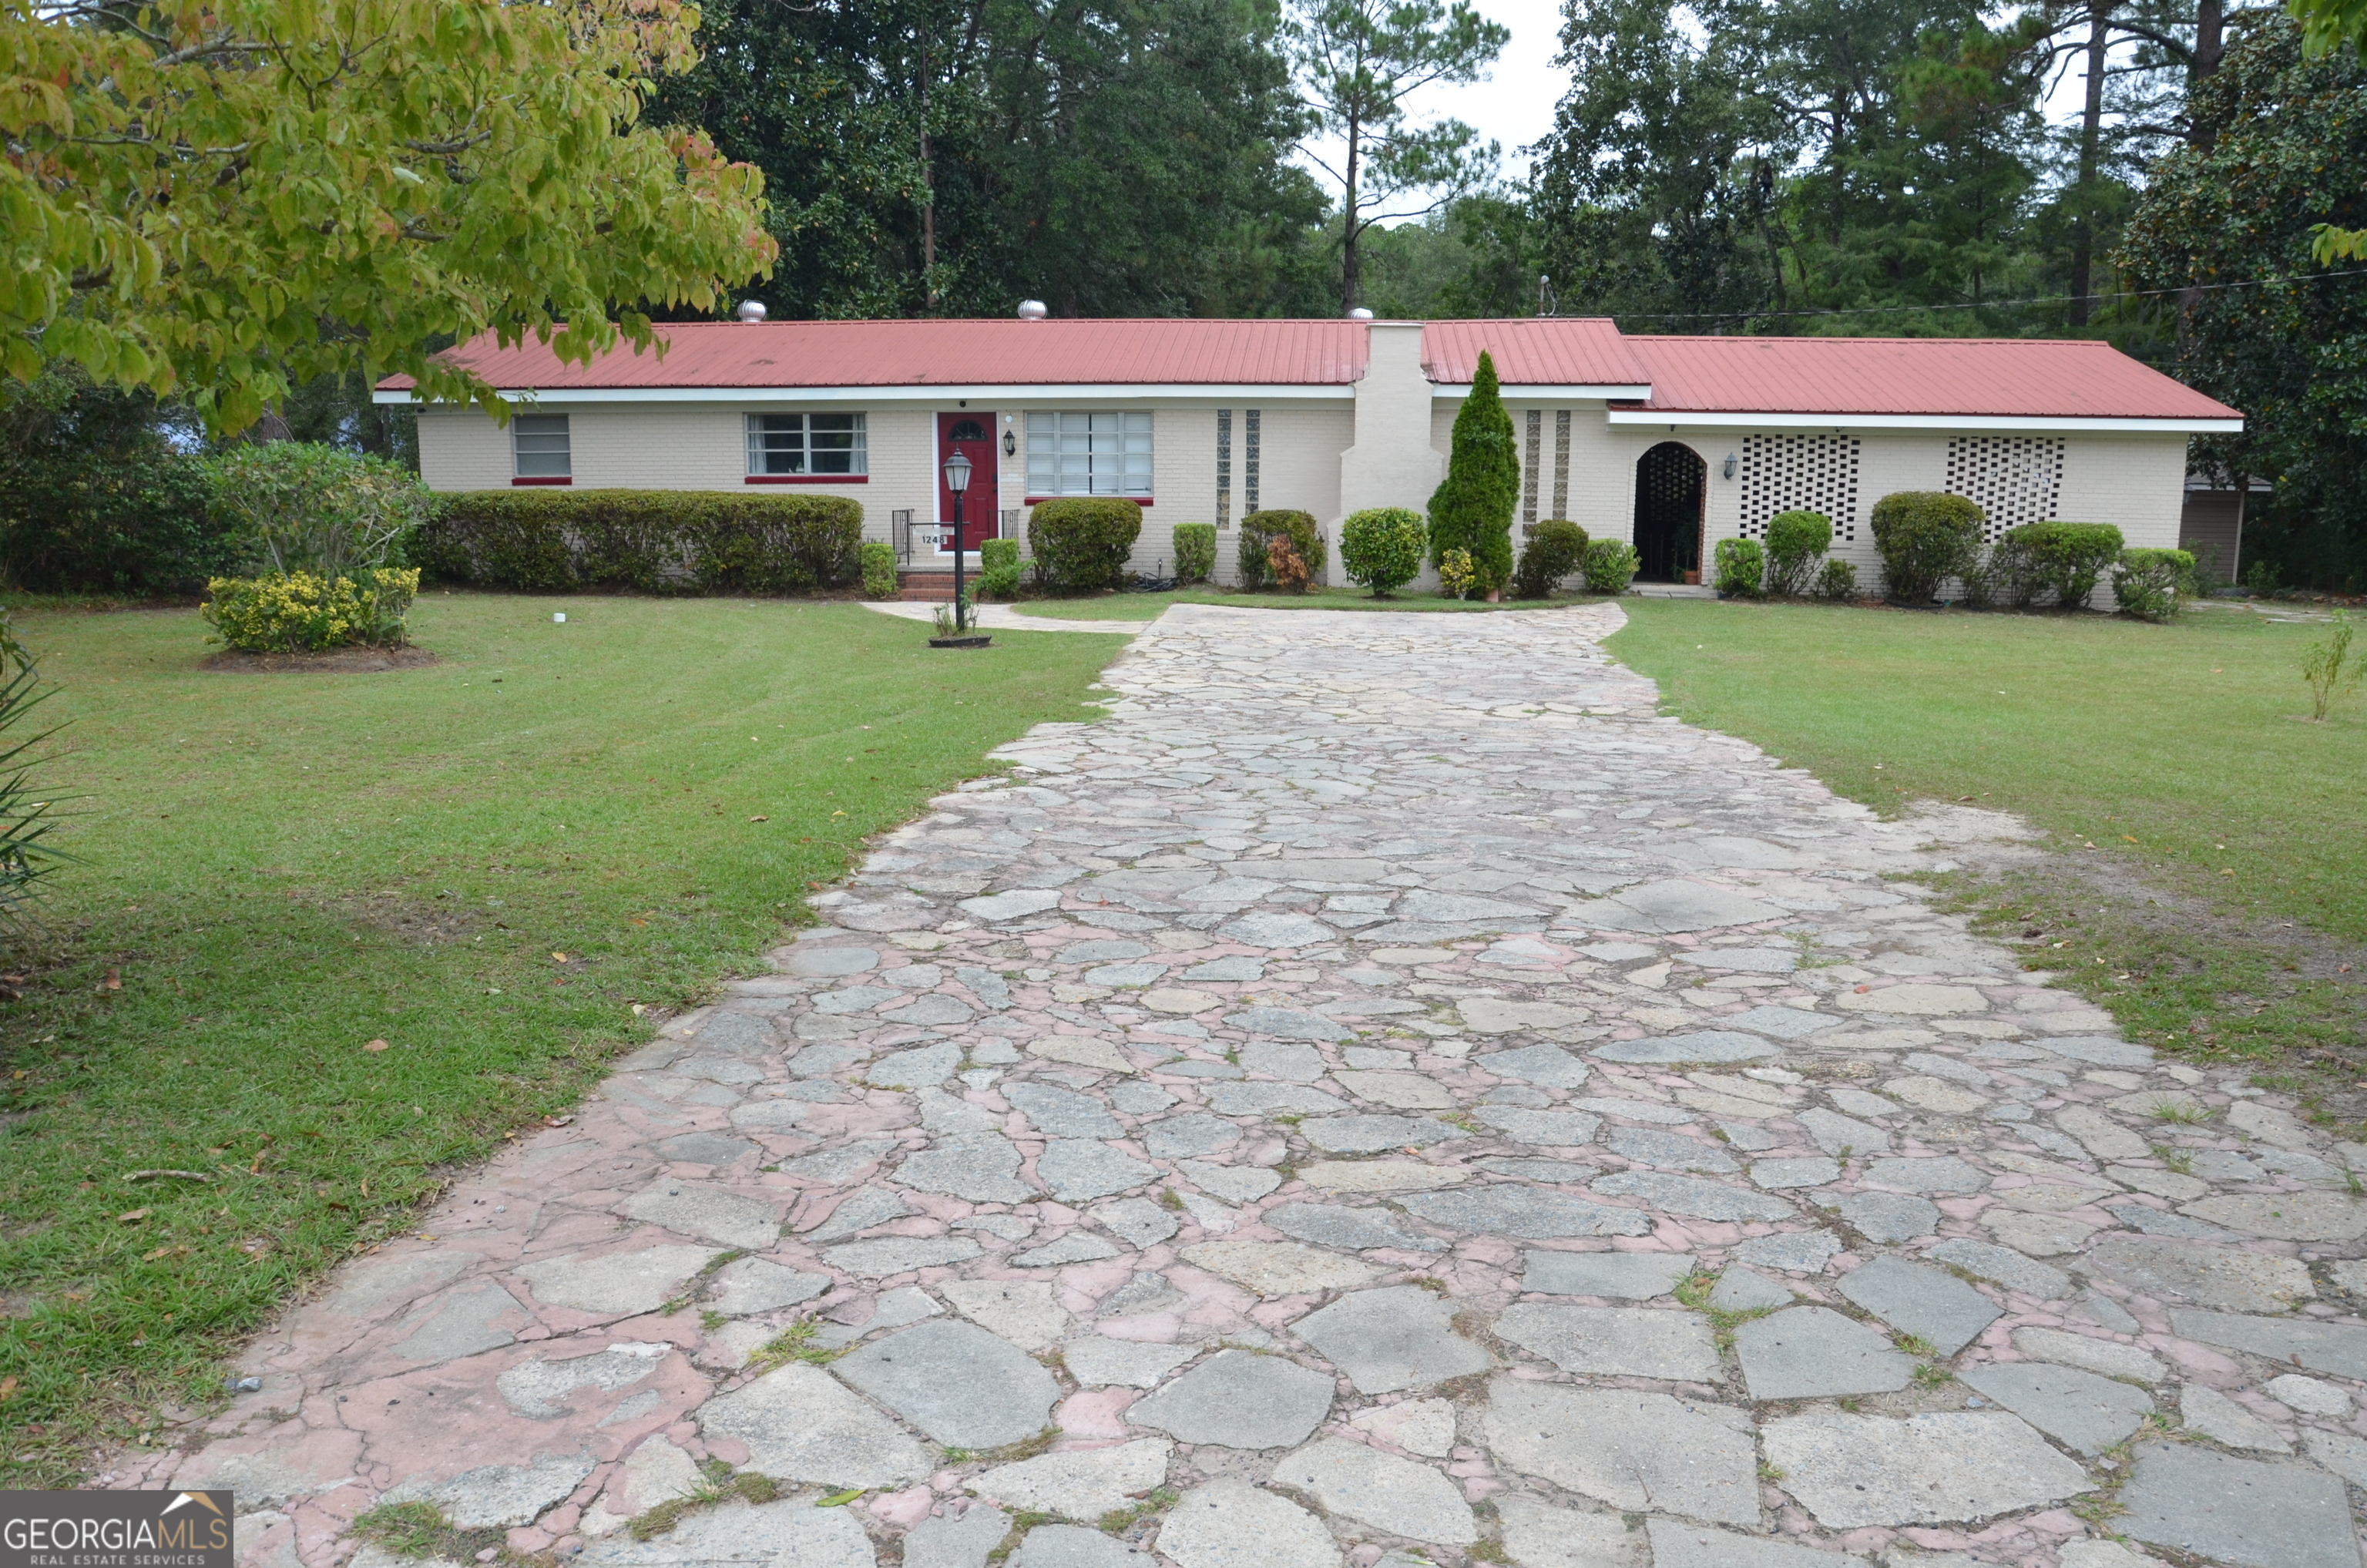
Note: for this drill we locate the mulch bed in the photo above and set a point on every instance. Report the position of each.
(335, 661)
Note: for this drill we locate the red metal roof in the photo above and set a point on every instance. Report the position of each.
(1547, 351)
(945, 353)
(1836, 376)
(2016, 377)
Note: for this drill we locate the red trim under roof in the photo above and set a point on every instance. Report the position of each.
(2014, 377)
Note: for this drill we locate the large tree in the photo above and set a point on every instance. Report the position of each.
(216, 198)
(1109, 157)
(1358, 61)
(2231, 223)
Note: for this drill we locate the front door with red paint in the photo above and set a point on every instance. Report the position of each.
(972, 435)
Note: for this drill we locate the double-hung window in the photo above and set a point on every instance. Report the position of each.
(806, 446)
(1088, 454)
(539, 449)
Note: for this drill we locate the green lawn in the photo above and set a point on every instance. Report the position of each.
(2163, 758)
(1147, 606)
(488, 864)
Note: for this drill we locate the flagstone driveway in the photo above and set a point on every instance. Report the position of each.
(1381, 1096)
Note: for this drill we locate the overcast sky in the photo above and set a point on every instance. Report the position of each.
(1514, 106)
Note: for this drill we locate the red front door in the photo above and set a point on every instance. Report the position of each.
(972, 435)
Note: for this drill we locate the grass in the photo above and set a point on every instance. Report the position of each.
(2211, 880)
(1147, 606)
(499, 867)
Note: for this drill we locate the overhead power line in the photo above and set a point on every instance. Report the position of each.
(1981, 304)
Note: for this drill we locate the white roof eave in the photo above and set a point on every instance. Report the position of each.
(1696, 419)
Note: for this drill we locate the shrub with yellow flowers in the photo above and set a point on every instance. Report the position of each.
(303, 612)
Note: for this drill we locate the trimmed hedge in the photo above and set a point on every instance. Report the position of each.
(645, 541)
(1195, 553)
(1795, 541)
(1382, 548)
(1081, 542)
(1926, 537)
(878, 566)
(2068, 558)
(1611, 565)
(997, 569)
(1555, 548)
(2152, 584)
(1258, 531)
(1742, 568)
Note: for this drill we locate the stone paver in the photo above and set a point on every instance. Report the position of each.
(1334, 1060)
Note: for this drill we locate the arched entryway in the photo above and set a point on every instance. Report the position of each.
(1670, 481)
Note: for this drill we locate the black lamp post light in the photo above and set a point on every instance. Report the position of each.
(957, 472)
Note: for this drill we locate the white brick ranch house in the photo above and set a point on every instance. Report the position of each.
(1673, 443)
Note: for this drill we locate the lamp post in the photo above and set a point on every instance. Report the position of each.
(958, 480)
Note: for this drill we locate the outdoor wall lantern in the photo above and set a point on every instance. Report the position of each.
(1729, 465)
(957, 481)
(1010, 445)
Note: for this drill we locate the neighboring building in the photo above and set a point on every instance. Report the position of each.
(1671, 442)
(2212, 526)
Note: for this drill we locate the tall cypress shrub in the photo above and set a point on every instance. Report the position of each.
(1473, 508)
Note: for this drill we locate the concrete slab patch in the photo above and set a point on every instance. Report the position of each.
(1636, 1276)
(1630, 1450)
(1393, 1339)
(1618, 1342)
(2087, 1412)
(1237, 1399)
(2241, 1512)
(1530, 1213)
(1854, 1470)
(799, 1425)
(1390, 1494)
(961, 1385)
(1803, 1352)
(1931, 1304)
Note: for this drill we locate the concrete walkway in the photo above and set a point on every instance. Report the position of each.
(1003, 618)
(1382, 1096)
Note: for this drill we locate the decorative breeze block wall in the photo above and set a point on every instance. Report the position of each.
(1800, 473)
(2014, 479)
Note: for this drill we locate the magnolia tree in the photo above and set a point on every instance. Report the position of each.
(217, 198)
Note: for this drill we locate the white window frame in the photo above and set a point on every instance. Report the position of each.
(1090, 452)
(791, 437)
(541, 447)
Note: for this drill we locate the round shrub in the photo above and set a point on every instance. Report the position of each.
(1382, 548)
(2152, 584)
(1456, 575)
(1555, 548)
(1837, 581)
(1081, 542)
(1610, 566)
(2067, 558)
(1258, 530)
(1742, 568)
(1795, 541)
(1195, 553)
(1926, 537)
(297, 507)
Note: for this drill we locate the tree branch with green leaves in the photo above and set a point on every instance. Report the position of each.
(221, 198)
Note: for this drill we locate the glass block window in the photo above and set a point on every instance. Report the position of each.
(539, 446)
(1562, 462)
(1531, 451)
(2014, 479)
(1224, 468)
(1252, 423)
(812, 444)
(1800, 473)
(1088, 454)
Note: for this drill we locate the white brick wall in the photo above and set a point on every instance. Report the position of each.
(2135, 481)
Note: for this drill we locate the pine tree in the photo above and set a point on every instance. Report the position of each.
(1473, 508)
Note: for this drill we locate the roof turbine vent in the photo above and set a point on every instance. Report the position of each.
(1360, 314)
(751, 311)
(1032, 310)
